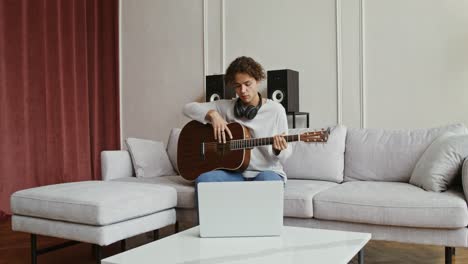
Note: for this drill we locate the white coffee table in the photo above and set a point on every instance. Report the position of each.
(295, 245)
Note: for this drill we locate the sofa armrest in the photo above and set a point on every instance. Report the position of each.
(465, 177)
(116, 164)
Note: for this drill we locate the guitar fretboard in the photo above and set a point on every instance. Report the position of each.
(255, 142)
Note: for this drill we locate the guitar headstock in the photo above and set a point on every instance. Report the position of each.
(315, 136)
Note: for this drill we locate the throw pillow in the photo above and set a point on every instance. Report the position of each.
(149, 158)
(440, 163)
(465, 177)
(317, 161)
(172, 147)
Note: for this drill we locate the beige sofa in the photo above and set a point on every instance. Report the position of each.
(358, 181)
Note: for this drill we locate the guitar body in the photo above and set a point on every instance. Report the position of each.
(198, 151)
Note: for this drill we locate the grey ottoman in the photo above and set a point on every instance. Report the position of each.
(95, 212)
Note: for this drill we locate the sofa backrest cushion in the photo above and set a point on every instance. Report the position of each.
(149, 158)
(388, 155)
(317, 161)
(172, 147)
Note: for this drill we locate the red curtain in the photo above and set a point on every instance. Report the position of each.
(59, 96)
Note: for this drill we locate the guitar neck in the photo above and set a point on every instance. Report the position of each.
(256, 142)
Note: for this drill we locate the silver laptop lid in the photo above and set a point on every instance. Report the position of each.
(229, 209)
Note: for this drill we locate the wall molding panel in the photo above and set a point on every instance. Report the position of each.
(362, 78)
(223, 36)
(205, 45)
(339, 64)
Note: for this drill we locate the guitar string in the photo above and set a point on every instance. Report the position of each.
(257, 141)
(252, 142)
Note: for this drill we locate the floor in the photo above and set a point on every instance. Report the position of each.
(14, 249)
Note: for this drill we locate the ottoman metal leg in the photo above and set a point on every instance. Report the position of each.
(36, 252)
(97, 253)
(448, 255)
(123, 245)
(33, 249)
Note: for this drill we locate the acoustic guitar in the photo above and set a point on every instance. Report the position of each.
(199, 152)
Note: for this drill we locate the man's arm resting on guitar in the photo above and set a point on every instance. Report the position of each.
(197, 111)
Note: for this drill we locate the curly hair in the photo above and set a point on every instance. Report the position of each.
(244, 65)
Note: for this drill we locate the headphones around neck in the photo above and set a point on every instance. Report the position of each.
(249, 111)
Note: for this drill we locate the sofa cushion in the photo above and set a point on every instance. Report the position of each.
(185, 189)
(172, 143)
(317, 161)
(149, 158)
(298, 196)
(96, 203)
(391, 203)
(440, 163)
(388, 155)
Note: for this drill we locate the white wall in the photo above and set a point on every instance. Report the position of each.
(416, 62)
(379, 63)
(161, 64)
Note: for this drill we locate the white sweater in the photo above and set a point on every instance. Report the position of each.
(271, 120)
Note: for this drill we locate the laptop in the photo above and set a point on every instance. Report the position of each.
(239, 209)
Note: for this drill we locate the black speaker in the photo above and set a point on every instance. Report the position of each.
(216, 90)
(283, 87)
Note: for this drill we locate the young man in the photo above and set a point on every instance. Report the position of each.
(264, 118)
